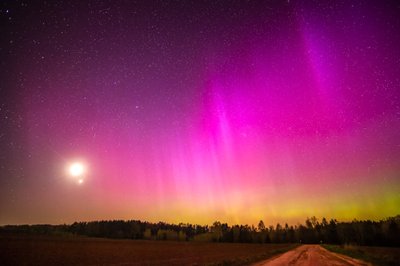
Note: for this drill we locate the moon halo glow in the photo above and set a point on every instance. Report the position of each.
(77, 171)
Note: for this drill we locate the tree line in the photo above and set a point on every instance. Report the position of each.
(372, 233)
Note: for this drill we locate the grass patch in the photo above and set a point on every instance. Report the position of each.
(381, 256)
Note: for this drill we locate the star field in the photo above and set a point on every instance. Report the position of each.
(196, 111)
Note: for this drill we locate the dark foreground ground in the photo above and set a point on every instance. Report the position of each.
(49, 250)
(378, 256)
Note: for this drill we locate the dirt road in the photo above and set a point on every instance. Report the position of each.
(310, 255)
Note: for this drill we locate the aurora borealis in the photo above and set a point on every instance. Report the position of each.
(197, 111)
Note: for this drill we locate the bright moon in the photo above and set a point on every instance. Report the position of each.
(76, 169)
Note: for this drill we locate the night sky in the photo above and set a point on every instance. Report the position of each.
(197, 111)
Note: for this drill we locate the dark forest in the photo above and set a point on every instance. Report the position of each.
(370, 233)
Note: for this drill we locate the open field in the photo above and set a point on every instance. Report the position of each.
(51, 250)
(381, 256)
